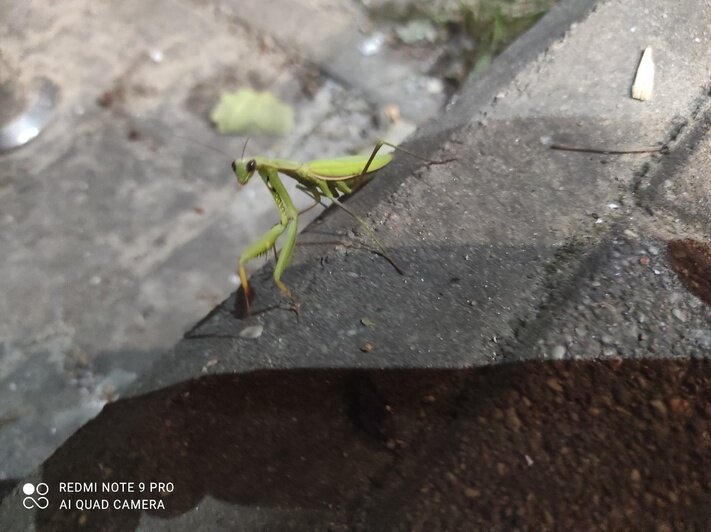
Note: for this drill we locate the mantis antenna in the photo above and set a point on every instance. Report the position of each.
(218, 150)
(244, 148)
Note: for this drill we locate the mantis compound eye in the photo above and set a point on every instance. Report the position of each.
(234, 166)
(251, 165)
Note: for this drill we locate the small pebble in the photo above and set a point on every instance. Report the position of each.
(679, 314)
(512, 421)
(367, 347)
(471, 493)
(659, 407)
(252, 332)
(631, 234)
(558, 352)
(554, 385)
(434, 85)
(680, 406)
(609, 351)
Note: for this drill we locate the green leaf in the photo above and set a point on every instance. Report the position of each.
(248, 112)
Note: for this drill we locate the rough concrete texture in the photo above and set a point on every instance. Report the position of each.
(512, 251)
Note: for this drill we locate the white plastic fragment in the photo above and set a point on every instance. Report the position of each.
(644, 80)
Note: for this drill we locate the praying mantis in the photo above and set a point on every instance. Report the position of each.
(330, 178)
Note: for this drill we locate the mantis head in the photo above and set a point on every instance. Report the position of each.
(243, 169)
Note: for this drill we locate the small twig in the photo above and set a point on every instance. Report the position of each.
(568, 147)
(441, 161)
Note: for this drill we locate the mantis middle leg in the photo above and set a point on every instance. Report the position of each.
(327, 192)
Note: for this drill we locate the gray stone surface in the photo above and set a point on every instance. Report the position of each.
(511, 250)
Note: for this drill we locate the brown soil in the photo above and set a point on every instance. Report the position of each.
(526, 446)
(587, 446)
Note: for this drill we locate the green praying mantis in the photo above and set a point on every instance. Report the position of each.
(330, 178)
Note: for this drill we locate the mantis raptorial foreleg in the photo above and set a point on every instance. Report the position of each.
(263, 245)
(257, 248)
(288, 225)
(287, 250)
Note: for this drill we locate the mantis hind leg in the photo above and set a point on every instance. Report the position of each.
(382, 143)
(379, 145)
(257, 248)
(326, 192)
